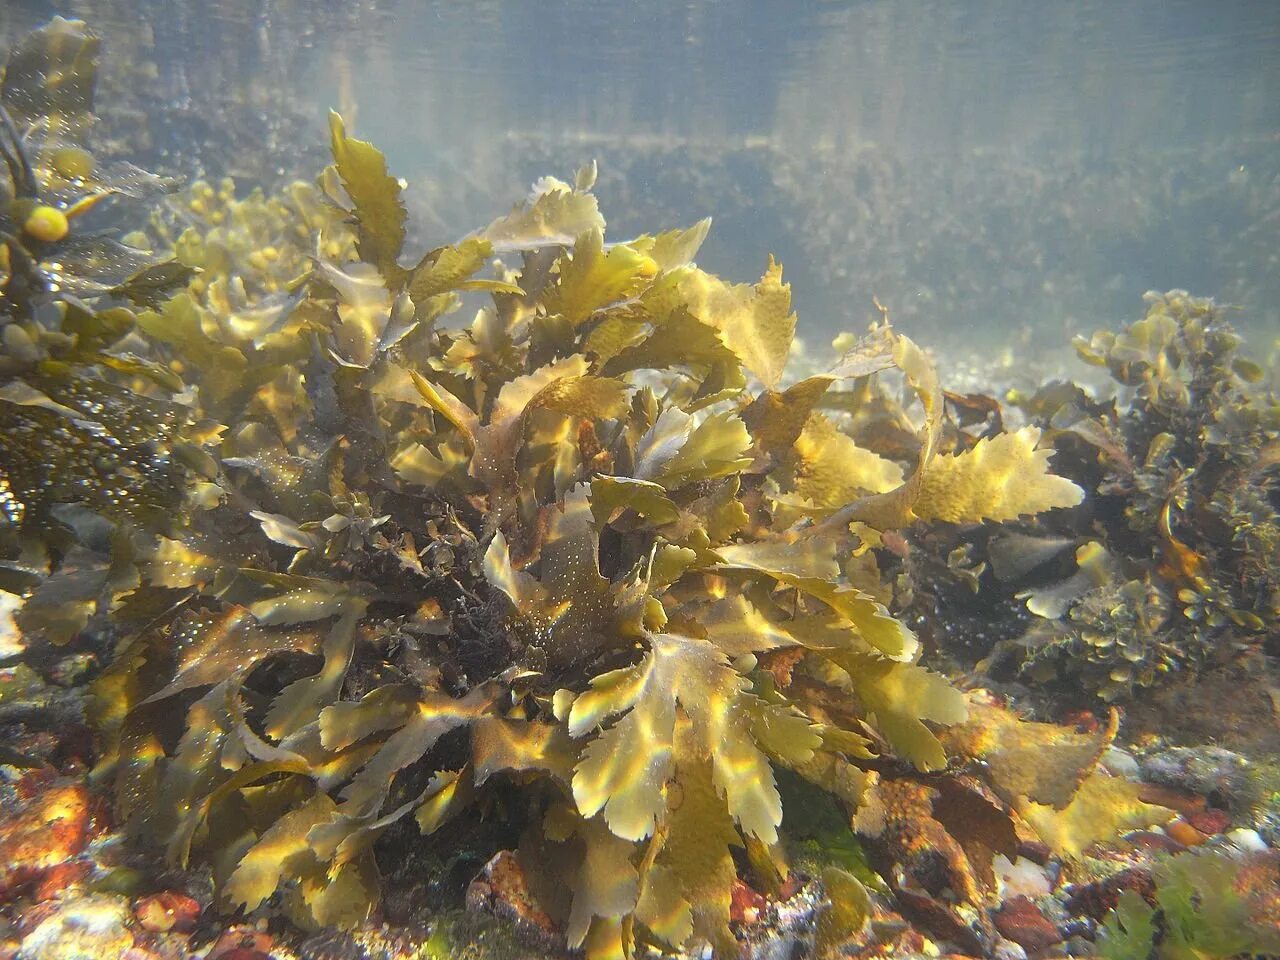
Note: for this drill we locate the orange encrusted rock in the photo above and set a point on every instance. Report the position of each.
(43, 833)
(167, 910)
(502, 890)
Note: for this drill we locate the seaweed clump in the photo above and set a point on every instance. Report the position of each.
(55, 239)
(95, 454)
(1204, 904)
(577, 565)
(1177, 567)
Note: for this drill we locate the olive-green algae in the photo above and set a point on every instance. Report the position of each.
(1180, 567)
(1206, 904)
(544, 567)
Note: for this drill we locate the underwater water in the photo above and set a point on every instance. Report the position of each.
(987, 169)
(614, 480)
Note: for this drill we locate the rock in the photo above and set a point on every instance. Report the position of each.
(939, 920)
(1021, 878)
(745, 904)
(340, 945)
(1034, 850)
(1206, 771)
(1007, 950)
(1099, 898)
(167, 910)
(785, 927)
(73, 669)
(1081, 947)
(1055, 911)
(1247, 841)
(20, 684)
(1151, 840)
(1171, 797)
(241, 942)
(1021, 921)
(1210, 821)
(50, 826)
(82, 928)
(502, 890)
(59, 877)
(1121, 763)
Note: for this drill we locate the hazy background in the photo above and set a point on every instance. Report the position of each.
(997, 173)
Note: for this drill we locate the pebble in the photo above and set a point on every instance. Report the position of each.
(1008, 950)
(11, 642)
(1184, 833)
(1021, 878)
(86, 928)
(1021, 921)
(1247, 841)
(1121, 763)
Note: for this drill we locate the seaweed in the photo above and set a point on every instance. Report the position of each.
(545, 551)
(1180, 570)
(96, 452)
(1206, 904)
(55, 182)
(594, 551)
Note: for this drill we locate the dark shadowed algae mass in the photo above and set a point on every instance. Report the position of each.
(591, 622)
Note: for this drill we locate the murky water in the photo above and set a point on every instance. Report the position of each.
(979, 167)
